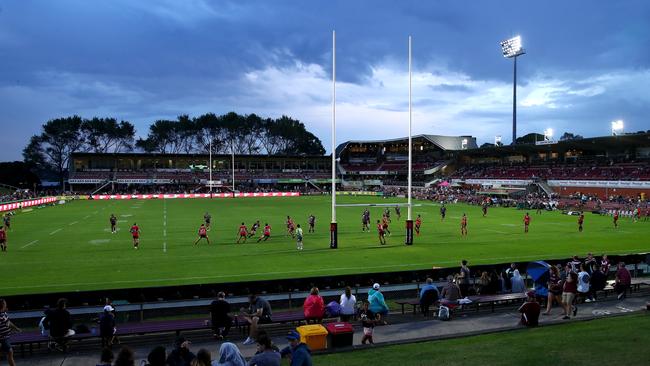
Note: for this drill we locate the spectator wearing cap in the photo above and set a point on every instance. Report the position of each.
(107, 328)
(181, 354)
(530, 311)
(377, 303)
(298, 352)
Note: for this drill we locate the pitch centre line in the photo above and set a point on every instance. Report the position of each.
(55, 231)
(28, 244)
(73, 223)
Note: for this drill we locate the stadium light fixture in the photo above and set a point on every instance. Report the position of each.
(512, 48)
(548, 134)
(463, 144)
(497, 140)
(617, 127)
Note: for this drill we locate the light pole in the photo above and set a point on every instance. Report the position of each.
(334, 243)
(511, 48)
(409, 218)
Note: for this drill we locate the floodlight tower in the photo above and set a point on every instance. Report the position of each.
(548, 134)
(511, 48)
(617, 127)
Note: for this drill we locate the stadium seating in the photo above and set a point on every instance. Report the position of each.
(623, 171)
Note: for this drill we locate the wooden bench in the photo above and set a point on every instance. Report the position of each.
(415, 303)
(493, 300)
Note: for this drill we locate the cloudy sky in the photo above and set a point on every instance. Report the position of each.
(587, 63)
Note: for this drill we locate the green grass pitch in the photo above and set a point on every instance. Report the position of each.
(69, 247)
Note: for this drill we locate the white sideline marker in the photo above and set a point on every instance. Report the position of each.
(73, 223)
(28, 244)
(55, 231)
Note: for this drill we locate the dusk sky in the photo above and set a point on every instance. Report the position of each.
(587, 63)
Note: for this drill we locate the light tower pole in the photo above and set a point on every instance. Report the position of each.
(511, 48)
(333, 226)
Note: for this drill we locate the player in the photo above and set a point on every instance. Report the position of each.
(203, 234)
(538, 207)
(113, 221)
(291, 228)
(254, 228)
(243, 233)
(267, 233)
(637, 214)
(581, 220)
(484, 207)
(526, 222)
(418, 223)
(312, 223)
(381, 232)
(135, 233)
(616, 218)
(207, 218)
(443, 212)
(299, 237)
(365, 220)
(7, 221)
(398, 212)
(463, 225)
(387, 214)
(384, 225)
(3, 239)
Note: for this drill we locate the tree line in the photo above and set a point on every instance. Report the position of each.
(50, 150)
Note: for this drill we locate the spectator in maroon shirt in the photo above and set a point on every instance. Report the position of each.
(569, 291)
(623, 280)
(530, 311)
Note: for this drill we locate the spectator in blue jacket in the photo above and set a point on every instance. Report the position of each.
(377, 303)
(299, 352)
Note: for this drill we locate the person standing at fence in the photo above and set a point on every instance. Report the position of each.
(463, 279)
(6, 327)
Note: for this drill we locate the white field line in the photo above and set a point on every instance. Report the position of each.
(55, 231)
(28, 244)
(496, 231)
(86, 217)
(164, 225)
(73, 223)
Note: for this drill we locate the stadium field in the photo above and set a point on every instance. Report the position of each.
(70, 248)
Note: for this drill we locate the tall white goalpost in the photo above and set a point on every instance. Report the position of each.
(409, 220)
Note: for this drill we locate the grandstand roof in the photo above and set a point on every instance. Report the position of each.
(452, 143)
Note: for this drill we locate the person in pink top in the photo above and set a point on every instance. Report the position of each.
(623, 280)
(314, 306)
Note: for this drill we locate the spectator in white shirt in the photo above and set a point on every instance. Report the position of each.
(347, 305)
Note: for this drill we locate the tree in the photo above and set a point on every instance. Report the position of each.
(18, 174)
(105, 135)
(487, 144)
(531, 138)
(52, 148)
(570, 136)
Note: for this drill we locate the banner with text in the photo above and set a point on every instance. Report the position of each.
(28, 203)
(601, 183)
(192, 195)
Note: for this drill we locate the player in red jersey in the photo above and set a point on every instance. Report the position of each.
(203, 234)
(266, 234)
(291, 227)
(135, 232)
(418, 223)
(581, 220)
(384, 224)
(381, 232)
(463, 225)
(3, 239)
(616, 218)
(526, 222)
(243, 233)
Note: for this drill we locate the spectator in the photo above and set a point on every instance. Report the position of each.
(530, 311)
(107, 326)
(451, 291)
(125, 357)
(378, 305)
(181, 354)
(622, 280)
(368, 321)
(463, 279)
(575, 264)
(569, 294)
(220, 316)
(298, 351)
(203, 358)
(157, 357)
(483, 283)
(266, 353)
(598, 281)
(314, 306)
(518, 285)
(59, 322)
(258, 312)
(229, 355)
(508, 277)
(6, 327)
(554, 289)
(429, 295)
(348, 301)
(590, 263)
(583, 284)
(604, 265)
(106, 358)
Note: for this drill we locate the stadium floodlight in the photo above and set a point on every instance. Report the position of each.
(511, 48)
(463, 144)
(548, 134)
(497, 140)
(617, 127)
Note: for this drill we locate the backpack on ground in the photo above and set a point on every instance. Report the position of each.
(443, 313)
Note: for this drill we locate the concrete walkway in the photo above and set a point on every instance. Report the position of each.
(414, 328)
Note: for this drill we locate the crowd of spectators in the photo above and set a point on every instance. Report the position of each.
(22, 194)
